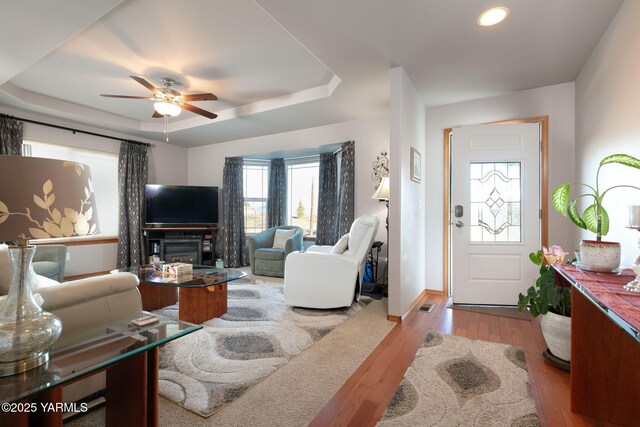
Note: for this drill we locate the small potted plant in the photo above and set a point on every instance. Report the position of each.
(595, 255)
(551, 301)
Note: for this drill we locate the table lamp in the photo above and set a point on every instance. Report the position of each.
(39, 199)
(382, 194)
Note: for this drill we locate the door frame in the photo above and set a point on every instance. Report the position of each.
(446, 184)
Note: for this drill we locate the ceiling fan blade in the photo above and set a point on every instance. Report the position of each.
(126, 96)
(200, 111)
(157, 115)
(200, 97)
(145, 83)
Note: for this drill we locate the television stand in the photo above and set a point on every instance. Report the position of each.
(196, 245)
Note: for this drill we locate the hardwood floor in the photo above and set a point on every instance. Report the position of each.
(363, 398)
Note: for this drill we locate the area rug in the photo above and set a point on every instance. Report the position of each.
(512, 312)
(208, 369)
(455, 381)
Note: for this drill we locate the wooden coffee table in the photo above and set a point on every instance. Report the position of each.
(202, 294)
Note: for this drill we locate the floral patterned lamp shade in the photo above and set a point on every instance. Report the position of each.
(39, 199)
(45, 198)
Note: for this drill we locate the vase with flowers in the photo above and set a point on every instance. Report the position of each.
(550, 300)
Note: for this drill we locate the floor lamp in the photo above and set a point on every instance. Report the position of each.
(382, 194)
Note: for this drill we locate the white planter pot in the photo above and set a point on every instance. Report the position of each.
(556, 330)
(599, 256)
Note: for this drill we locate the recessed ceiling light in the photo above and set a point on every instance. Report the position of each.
(493, 16)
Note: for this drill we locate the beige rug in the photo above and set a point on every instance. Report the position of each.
(297, 390)
(454, 381)
(210, 368)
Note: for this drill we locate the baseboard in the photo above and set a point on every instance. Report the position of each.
(393, 318)
(416, 303)
(90, 403)
(434, 292)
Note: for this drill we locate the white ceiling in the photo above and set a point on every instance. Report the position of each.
(278, 65)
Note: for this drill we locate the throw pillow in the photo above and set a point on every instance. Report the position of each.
(280, 240)
(341, 245)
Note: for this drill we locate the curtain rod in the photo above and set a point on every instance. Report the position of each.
(309, 156)
(74, 130)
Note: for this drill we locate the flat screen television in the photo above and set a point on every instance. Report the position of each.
(181, 206)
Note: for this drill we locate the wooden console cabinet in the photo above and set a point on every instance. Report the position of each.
(605, 346)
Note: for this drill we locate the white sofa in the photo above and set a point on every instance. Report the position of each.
(330, 276)
(82, 303)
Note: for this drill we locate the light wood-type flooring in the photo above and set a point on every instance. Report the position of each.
(363, 398)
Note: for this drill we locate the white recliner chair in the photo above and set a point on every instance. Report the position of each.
(330, 276)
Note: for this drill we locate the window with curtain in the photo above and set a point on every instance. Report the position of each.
(104, 176)
(256, 190)
(302, 195)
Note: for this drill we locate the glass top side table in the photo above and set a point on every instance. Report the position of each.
(127, 352)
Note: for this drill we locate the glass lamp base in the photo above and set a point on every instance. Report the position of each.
(15, 367)
(634, 285)
(26, 331)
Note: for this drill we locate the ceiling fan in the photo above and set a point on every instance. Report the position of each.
(168, 101)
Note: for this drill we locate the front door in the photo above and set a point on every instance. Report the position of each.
(495, 211)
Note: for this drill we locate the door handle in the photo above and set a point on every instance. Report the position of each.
(459, 224)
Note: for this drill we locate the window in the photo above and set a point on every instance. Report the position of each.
(104, 176)
(302, 194)
(256, 187)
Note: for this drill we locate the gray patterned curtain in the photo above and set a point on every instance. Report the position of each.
(345, 210)
(233, 214)
(133, 167)
(327, 200)
(277, 201)
(10, 136)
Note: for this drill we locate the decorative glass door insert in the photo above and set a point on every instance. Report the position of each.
(495, 190)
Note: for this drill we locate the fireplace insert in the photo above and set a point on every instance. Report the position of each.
(182, 250)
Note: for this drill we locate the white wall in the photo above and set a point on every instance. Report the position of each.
(608, 121)
(370, 135)
(167, 165)
(406, 198)
(556, 101)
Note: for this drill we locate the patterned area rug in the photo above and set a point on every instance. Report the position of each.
(208, 369)
(454, 381)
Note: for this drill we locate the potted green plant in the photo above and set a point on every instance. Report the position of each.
(545, 298)
(594, 255)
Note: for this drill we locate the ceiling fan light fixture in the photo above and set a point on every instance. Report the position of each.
(493, 16)
(167, 109)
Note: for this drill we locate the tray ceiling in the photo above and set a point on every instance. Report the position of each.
(278, 65)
